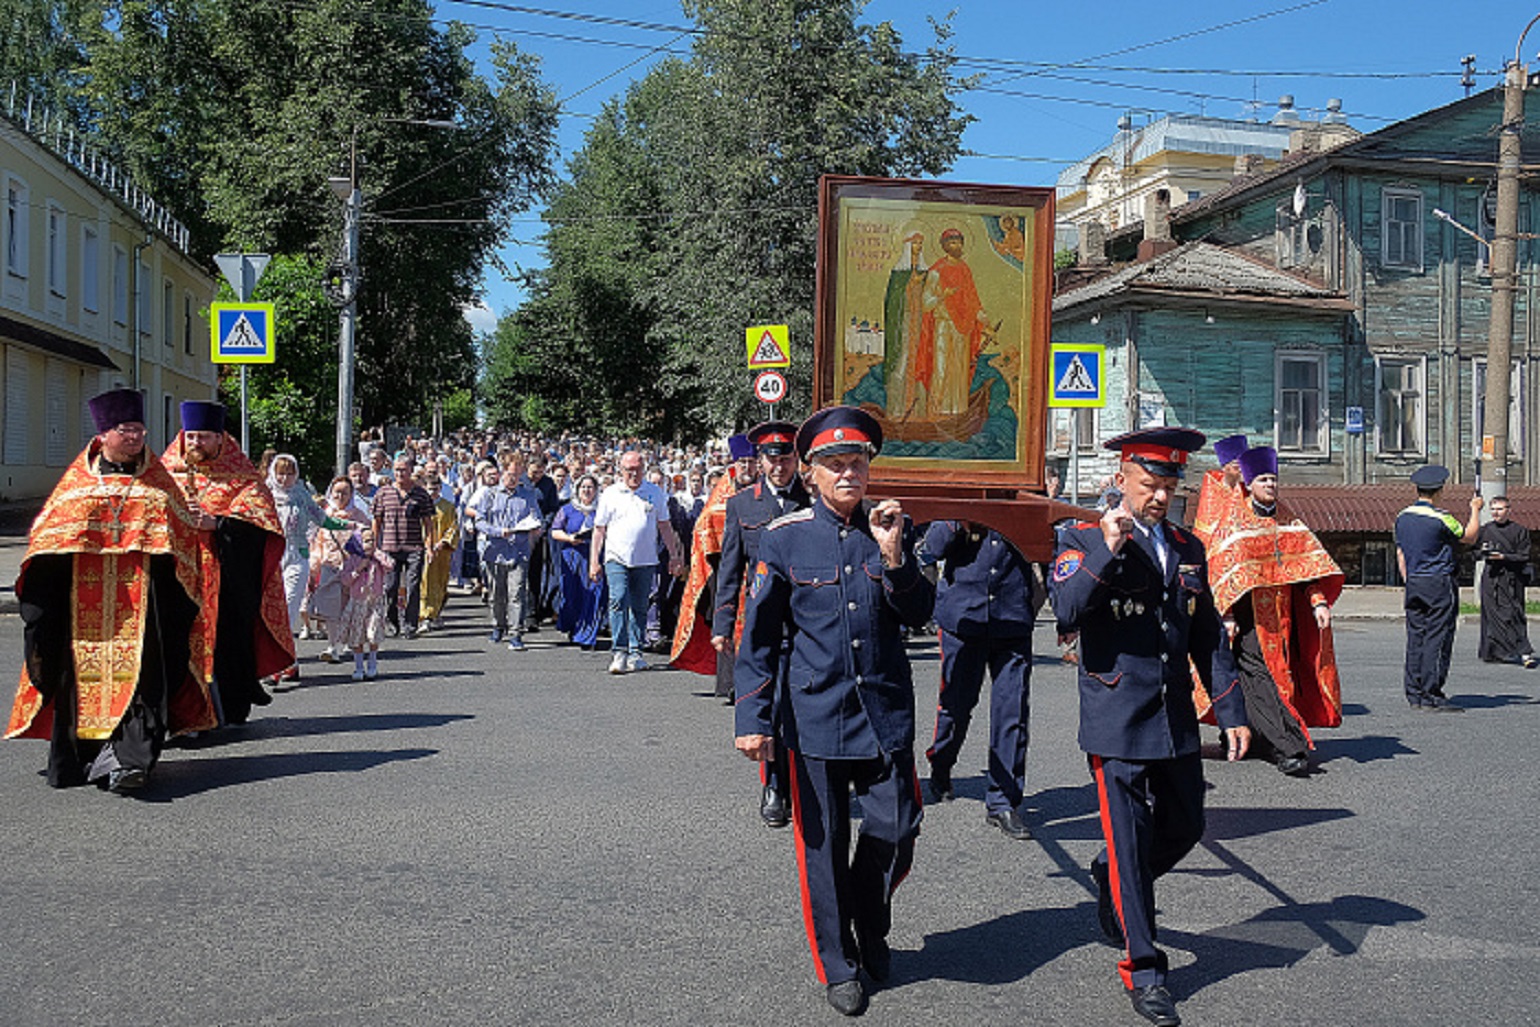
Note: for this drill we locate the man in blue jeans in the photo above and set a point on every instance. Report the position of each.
(632, 514)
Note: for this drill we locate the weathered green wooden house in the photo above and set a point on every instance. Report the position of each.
(1323, 308)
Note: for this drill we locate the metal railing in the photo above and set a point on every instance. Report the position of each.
(49, 129)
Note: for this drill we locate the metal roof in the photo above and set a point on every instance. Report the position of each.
(1198, 267)
(1183, 133)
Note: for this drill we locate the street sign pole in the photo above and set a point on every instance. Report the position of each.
(243, 271)
(1074, 457)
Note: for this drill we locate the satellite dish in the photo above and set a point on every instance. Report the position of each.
(1299, 199)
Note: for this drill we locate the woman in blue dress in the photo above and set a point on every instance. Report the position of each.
(584, 605)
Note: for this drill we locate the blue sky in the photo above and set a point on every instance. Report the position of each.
(1033, 120)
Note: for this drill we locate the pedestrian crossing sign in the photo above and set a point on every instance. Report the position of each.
(243, 333)
(768, 346)
(1077, 376)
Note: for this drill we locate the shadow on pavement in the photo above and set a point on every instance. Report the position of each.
(1280, 937)
(999, 951)
(1354, 709)
(298, 727)
(1366, 749)
(178, 779)
(1492, 702)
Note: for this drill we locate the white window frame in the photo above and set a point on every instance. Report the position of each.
(56, 253)
(119, 285)
(1380, 424)
(90, 269)
(1323, 416)
(1516, 396)
(1412, 230)
(17, 222)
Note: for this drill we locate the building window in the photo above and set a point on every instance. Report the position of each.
(120, 285)
(1301, 403)
(187, 323)
(144, 304)
(1402, 421)
(90, 270)
(1401, 228)
(167, 313)
(169, 427)
(1515, 405)
(1060, 426)
(58, 270)
(1193, 196)
(15, 228)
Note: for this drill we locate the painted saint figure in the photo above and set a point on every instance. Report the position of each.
(953, 330)
(902, 312)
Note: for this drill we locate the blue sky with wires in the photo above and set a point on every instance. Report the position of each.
(1056, 77)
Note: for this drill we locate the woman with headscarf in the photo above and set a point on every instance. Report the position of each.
(584, 604)
(329, 600)
(298, 515)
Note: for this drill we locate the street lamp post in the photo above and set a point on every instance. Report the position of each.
(1494, 442)
(348, 191)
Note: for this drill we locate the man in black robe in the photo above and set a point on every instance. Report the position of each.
(1504, 545)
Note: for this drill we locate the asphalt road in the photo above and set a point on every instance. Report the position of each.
(496, 838)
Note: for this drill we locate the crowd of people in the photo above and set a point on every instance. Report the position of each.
(164, 595)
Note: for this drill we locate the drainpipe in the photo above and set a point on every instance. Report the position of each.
(133, 299)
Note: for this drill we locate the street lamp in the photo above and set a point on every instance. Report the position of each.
(347, 190)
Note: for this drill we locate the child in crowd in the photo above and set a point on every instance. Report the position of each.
(364, 572)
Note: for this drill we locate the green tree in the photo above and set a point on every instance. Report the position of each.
(691, 211)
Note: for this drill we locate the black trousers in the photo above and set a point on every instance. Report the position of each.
(1152, 816)
(1009, 662)
(405, 563)
(1272, 724)
(1432, 605)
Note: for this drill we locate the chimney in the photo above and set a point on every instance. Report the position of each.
(1248, 164)
(1093, 244)
(1157, 225)
(1286, 115)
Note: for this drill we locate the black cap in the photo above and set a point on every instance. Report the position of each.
(1430, 477)
(839, 430)
(1161, 451)
(774, 438)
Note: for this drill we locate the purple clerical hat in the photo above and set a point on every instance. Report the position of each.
(202, 415)
(1229, 448)
(739, 447)
(119, 406)
(1261, 460)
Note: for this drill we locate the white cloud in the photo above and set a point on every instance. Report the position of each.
(482, 318)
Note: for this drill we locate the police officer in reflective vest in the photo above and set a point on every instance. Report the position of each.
(835, 584)
(987, 596)
(778, 491)
(1425, 541)
(1137, 590)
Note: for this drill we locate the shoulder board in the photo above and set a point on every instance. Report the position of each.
(796, 516)
(1081, 525)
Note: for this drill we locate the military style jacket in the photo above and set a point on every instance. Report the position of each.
(986, 589)
(1139, 624)
(820, 591)
(747, 514)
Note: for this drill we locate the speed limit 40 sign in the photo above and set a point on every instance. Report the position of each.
(770, 386)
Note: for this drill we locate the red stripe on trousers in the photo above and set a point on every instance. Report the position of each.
(807, 900)
(1125, 966)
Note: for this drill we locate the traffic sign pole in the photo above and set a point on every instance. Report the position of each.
(243, 271)
(1074, 457)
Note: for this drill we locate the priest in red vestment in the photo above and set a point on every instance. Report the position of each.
(1221, 488)
(254, 640)
(117, 613)
(692, 649)
(1274, 584)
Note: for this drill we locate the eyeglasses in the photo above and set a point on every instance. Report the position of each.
(130, 429)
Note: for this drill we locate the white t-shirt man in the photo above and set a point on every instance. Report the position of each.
(630, 518)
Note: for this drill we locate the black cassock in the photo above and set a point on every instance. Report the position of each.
(1504, 633)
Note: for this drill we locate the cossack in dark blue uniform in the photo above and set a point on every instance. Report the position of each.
(1143, 613)
(984, 609)
(748, 513)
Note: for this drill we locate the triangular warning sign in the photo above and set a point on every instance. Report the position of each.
(1076, 378)
(767, 352)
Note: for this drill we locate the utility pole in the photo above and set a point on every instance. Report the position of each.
(1494, 442)
(352, 199)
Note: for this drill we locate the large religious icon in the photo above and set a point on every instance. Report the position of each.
(934, 309)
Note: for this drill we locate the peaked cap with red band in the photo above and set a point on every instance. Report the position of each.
(839, 430)
(773, 438)
(1161, 451)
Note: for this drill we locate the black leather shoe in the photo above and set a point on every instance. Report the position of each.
(126, 779)
(1106, 915)
(1155, 1004)
(876, 956)
(848, 997)
(1294, 766)
(1011, 823)
(772, 808)
(1440, 706)
(940, 784)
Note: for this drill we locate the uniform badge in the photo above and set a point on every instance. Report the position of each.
(1067, 563)
(1192, 605)
(761, 572)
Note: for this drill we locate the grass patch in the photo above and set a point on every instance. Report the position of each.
(1532, 607)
